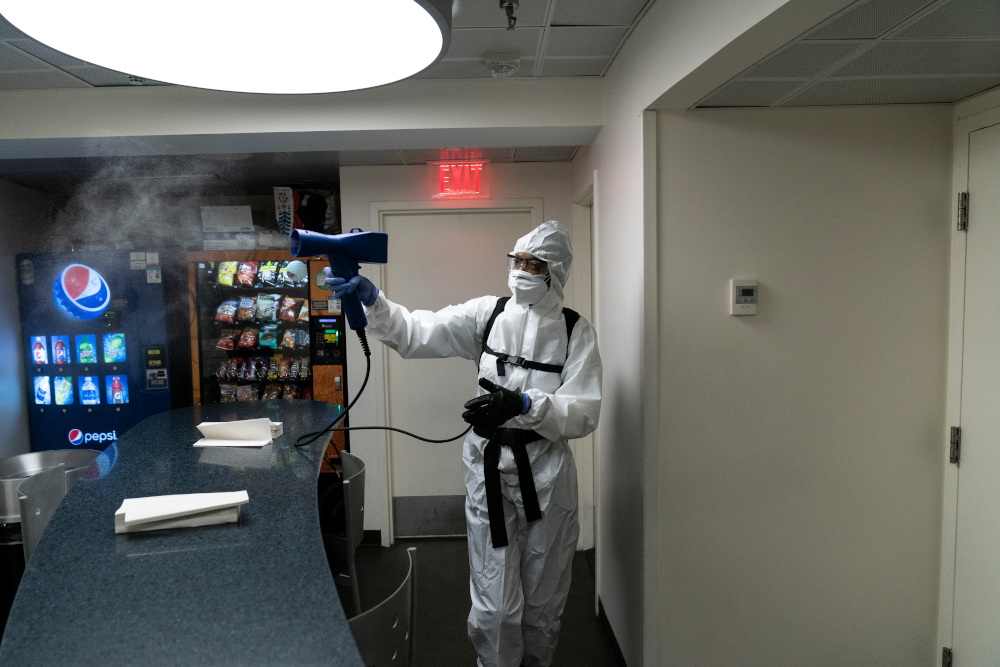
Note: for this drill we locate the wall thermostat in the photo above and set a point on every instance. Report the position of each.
(742, 297)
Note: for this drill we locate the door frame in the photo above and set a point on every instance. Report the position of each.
(974, 115)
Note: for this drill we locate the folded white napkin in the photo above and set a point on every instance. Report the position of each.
(179, 511)
(242, 433)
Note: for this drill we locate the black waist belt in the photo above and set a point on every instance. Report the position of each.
(516, 439)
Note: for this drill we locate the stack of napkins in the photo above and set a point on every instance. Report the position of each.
(185, 510)
(242, 433)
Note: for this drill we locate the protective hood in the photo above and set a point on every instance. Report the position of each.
(550, 243)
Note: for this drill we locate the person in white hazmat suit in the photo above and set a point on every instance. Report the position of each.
(541, 372)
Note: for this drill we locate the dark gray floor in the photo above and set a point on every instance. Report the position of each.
(443, 602)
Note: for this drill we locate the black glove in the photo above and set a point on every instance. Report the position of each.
(494, 408)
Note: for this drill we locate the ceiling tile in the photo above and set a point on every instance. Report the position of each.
(52, 79)
(892, 91)
(477, 43)
(13, 60)
(584, 41)
(957, 19)
(487, 14)
(573, 66)
(803, 59)
(867, 19)
(750, 93)
(598, 12)
(925, 58)
(57, 58)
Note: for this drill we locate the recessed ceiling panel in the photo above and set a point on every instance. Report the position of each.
(867, 19)
(925, 58)
(597, 12)
(584, 41)
(24, 80)
(893, 91)
(957, 19)
(51, 56)
(574, 66)
(751, 93)
(477, 43)
(487, 14)
(13, 60)
(804, 59)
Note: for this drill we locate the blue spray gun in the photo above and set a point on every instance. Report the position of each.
(345, 252)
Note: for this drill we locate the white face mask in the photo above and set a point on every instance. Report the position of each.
(527, 287)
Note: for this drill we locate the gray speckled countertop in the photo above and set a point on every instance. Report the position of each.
(257, 592)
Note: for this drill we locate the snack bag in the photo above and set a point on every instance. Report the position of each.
(267, 307)
(272, 391)
(307, 393)
(261, 369)
(241, 370)
(267, 274)
(288, 339)
(227, 391)
(227, 273)
(303, 311)
(247, 312)
(226, 312)
(269, 336)
(246, 274)
(233, 367)
(304, 368)
(227, 339)
(302, 338)
(289, 308)
(248, 339)
(246, 392)
(285, 368)
(222, 372)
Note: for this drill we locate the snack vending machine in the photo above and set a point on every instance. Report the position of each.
(95, 345)
(264, 327)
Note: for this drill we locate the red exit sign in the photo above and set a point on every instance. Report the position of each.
(461, 179)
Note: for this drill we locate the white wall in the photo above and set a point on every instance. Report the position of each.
(801, 449)
(24, 216)
(360, 187)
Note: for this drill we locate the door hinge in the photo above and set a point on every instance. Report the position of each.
(956, 444)
(946, 657)
(963, 211)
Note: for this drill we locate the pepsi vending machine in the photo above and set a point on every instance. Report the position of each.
(95, 345)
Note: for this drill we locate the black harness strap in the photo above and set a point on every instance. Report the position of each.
(514, 438)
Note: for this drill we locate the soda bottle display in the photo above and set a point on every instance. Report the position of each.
(64, 390)
(60, 350)
(39, 352)
(114, 347)
(85, 353)
(42, 395)
(89, 394)
(117, 392)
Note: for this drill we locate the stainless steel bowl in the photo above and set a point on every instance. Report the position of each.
(16, 469)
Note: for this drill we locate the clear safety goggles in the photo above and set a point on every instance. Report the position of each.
(536, 266)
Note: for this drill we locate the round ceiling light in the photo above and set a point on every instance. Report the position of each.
(248, 46)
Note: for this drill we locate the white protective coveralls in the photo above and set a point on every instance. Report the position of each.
(518, 591)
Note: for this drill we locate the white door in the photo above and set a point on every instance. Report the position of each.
(976, 630)
(436, 259)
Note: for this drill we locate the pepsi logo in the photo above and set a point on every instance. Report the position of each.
(81, 292)
(75, 436)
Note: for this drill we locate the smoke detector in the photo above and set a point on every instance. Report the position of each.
(502, 65)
